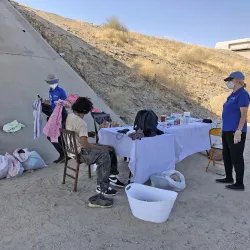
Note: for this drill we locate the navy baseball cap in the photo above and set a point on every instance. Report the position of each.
(235, 75)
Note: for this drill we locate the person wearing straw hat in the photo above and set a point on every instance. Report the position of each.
(234, 129)
(55, 93)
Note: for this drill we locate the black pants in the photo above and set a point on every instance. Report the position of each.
(233, 156)
(106, 161)
(47, 110)
(58, 145)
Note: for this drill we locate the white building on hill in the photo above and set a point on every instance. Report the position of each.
(240, 46)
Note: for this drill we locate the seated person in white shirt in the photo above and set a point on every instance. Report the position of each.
(103, 156)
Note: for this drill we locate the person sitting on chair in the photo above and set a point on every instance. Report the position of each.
(103, 156)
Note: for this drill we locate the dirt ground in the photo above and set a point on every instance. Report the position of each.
(38, 212)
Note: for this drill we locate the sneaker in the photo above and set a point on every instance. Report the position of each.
(225, 180)
(99, 201)
(114, 181)
(109, 192)
(235, 186)
(61, 159)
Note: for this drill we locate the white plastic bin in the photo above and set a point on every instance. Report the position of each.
(149, 203)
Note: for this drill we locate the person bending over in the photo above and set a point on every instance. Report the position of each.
(103, 156)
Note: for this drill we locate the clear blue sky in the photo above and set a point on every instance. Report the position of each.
(203, 22)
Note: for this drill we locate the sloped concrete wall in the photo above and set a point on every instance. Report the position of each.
(25, 61)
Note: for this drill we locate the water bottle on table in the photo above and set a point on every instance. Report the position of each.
(186, 117)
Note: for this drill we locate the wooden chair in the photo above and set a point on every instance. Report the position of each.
(214, 132)
(69, 146)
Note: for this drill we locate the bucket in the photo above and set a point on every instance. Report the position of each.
(149, 203)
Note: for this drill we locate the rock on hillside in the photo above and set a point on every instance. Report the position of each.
(131, 71)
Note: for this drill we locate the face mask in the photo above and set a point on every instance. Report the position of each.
(53, 86)
(230, 85)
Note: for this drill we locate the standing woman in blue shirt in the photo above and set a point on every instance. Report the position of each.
(234, 129)
(55, 93)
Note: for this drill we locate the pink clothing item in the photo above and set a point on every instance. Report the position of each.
(54, 124)
(96, 110)
(72, 98)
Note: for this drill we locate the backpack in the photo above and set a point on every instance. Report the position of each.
(147, 121)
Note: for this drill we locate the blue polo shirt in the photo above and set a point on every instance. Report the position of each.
(55, 95)
(231, 110)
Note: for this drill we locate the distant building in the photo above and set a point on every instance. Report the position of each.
(240, 46)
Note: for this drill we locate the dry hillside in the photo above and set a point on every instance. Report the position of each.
(131, 71)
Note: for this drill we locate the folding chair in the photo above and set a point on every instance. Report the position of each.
(100, 118)
(214, 132)
(69, 146)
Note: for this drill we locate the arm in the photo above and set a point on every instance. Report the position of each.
(68, 106)
(86, 144)
(64, 97)
(243, 118)
(243, 105)
(82, 131)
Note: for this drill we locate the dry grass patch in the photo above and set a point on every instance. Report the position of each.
(114, 23)
(118, 101)
(193, 54)
(229, 66)
(151, 70)
(158, 73)
(118, 38)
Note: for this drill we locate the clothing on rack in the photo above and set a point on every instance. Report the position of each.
(38, 119)
(54, 124)
(73, 97)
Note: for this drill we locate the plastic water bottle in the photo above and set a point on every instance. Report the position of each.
(187, 117)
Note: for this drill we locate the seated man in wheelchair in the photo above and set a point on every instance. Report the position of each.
(103, 156)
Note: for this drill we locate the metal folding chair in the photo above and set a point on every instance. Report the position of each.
(214, 147)
(99, 118)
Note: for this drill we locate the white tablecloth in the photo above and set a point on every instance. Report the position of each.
(122, 143)
(147, 156)
(189, 139)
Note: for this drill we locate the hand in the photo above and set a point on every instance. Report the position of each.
(68, 106)
(237, 136)
(47, 102)
(107, 147)
(91, 134)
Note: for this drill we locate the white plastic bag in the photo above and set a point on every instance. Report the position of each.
(4, 166)
(30, 160)
(21, 154)
(165, 180)
(15, 166)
